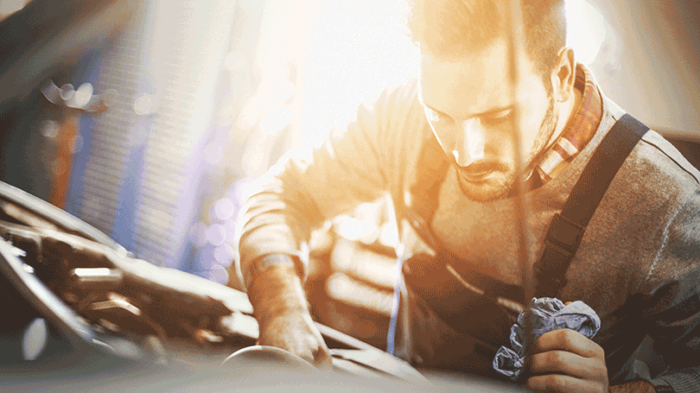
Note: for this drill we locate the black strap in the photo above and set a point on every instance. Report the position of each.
(567, 228)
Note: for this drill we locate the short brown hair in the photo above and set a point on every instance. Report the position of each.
(451, 27)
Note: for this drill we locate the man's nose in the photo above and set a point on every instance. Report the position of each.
(469, 144)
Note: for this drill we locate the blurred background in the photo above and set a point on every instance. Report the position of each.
(149, 119)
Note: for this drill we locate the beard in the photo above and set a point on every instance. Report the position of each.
(502, 182)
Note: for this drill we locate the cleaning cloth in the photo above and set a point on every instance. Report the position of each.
(544, 315)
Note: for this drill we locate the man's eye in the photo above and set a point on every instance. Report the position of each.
(499, 118)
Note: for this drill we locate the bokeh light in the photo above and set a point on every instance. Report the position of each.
(34, 340)
(224, 209)
(216, 234)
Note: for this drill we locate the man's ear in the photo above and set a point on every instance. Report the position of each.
(564, 75)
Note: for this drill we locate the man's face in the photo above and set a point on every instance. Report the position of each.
(468, 103)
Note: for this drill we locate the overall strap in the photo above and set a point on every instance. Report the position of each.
(567, 228)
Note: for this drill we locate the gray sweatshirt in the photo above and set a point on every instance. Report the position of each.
(638, 264)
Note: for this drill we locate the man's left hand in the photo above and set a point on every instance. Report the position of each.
(565, 361)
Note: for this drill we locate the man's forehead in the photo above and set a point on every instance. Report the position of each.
(465, 85)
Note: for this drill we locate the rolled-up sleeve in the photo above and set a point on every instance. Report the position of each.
(301, 191)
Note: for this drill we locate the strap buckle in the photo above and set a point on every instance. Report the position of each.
(562, 241)
(564, 234)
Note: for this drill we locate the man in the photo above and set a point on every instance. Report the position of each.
(638, 262)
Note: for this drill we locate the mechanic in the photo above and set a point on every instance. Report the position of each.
(637, 265)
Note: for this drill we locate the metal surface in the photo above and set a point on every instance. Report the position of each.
(60, 218)
(123, 329)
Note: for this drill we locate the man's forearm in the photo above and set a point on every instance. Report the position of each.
(260, 264)
(276, 288)
(283, 315)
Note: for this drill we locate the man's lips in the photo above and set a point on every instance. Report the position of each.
(477, 177)
(480, 172)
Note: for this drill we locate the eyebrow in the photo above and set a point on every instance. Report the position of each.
(496, 110)
(488, 113)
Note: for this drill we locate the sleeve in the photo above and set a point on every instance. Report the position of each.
(301, 191)
(672, 304)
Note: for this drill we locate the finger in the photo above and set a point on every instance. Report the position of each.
(306, 354)
(308, 348)
(322, 358)
(321, 355)
(567, 340)
(567, 363)
(298, 347)
(562, 383)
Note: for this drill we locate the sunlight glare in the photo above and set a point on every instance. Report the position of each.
(356, 49)
(586, 30)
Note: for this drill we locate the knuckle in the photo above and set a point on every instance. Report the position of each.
(600, 352)
(566, 338)
(555, 359)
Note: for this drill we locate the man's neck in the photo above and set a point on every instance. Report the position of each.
(568, 110)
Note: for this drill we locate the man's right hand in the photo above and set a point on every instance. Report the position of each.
(283, 315)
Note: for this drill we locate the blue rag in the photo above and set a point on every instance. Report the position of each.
(544, 315)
